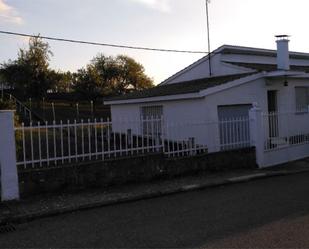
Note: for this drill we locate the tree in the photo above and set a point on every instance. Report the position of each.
(131, 75)
(62, 81)
(111, 76)
(87, 83)
(30, 72)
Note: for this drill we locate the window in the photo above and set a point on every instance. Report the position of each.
(302, 99)
(151, 117)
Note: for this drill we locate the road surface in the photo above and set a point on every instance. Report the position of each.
(272, 212)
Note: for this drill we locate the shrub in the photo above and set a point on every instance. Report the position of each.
(6, 105)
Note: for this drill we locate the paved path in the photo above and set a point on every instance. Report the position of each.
(271, 212)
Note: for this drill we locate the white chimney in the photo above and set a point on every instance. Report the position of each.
(283, 56)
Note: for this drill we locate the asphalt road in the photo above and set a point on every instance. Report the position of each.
(272, 212)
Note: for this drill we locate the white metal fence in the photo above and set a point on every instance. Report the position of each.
(43, 145)
(235, 133)
(280, 137)
(285, 129)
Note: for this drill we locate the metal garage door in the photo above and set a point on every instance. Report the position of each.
(234, 126)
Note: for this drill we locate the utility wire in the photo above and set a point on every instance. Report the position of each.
(102, 44)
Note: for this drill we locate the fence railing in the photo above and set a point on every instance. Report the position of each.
(285, 129)
(21, 108)
(235, 133)
(44, 144)
(54, 144)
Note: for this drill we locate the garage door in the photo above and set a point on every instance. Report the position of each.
(234, 126)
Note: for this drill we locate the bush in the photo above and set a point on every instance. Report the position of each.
(6, 105)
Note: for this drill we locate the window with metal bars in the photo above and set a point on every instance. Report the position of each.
(151, 117)
(302, 99)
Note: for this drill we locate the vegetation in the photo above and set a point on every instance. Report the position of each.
(31, 74)
(32, 80)
(106, 76)
(6, 104)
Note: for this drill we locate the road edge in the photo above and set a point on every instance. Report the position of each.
(27, 217)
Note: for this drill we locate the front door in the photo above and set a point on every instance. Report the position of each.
(272, 113)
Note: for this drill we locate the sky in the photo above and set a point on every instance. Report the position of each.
(170, 24)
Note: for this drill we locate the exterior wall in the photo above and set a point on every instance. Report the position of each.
(201, 70)
(174, 113)
(297, 122)
(249, 93)
(198, 118)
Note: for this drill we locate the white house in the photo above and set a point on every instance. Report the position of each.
(241, 77)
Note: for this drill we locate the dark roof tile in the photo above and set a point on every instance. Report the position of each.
(186, 87)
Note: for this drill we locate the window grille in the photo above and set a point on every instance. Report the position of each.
(151, 117)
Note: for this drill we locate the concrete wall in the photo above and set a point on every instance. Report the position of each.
(128, 170)
(284, 155)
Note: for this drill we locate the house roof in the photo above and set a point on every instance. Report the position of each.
(268, 67)
(193, 86)
(232, 49)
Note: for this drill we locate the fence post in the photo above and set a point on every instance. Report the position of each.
(257, 134)
(9, 175)
(129, 141)
(192, 146)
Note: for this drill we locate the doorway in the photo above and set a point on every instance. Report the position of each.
(272, 99)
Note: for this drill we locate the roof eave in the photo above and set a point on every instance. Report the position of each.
(154, 99)
(282, 73)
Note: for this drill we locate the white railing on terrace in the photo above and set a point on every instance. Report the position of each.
(43, 145)
(285, 129)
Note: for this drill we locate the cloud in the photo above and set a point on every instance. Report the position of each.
(9, 14)
(161, 5)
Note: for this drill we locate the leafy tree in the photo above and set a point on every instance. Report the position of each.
(87, 83)
(131, 75)
(110, 76)
(30, 72)
(62, 81)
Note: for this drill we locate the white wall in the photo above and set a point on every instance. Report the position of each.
(177, 116)
(201, 70)
(219, 68)
(202, 114)
(289, 120)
